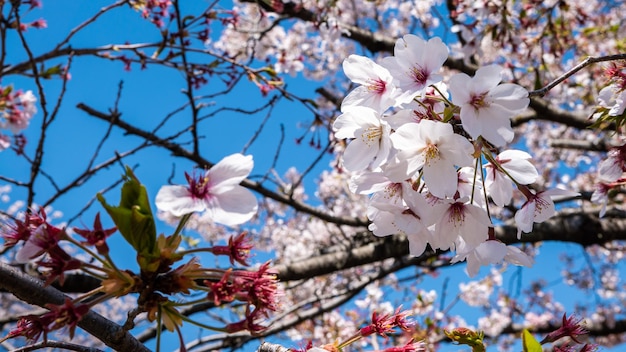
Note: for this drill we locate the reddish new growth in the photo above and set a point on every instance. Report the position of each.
(97, 237)
(381, 325)
(249, 323)
(570, 328)
(256, 288)
(60, 316)
(58, 262)
(238, 249)
(22, 230)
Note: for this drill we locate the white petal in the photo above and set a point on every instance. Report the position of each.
(491, 252)
(459, 90)
(360, 69)
(358, 155)
(500, 188)
(229, 172)
(177, 200)
(344, 125)
(233, 207)
(487, 78)
(368, 183)
(524, 218)
(521, 170)
(515, 256)
(441, 178)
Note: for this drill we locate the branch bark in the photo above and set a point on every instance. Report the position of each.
(31, 290)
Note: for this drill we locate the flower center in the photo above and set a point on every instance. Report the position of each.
(419, 75)
(198, 187)
(431, 152)
(372, 135)
(377, 85)
(456, 214)
(393, 190)
(478, 100)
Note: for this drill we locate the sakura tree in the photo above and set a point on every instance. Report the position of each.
(312, 175)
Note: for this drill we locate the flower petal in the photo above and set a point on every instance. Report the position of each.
(177, 200)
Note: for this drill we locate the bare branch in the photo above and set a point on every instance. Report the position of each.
(588, 61)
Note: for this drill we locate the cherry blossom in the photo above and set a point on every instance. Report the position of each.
(460, 221)
(415, 63)
(433, 147)
(490, 252)
(371, 144)
(613, 97)
(513, 164)
(411, 220)
(217, 193)
(376, 91)
(538, 208)
(486, 105)
(612, 168)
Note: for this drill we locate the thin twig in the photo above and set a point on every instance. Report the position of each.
(588, 61)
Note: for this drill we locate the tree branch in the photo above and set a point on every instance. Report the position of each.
(33, 291)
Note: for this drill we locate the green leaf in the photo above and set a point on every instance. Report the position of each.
(530, 344)
(133, 217)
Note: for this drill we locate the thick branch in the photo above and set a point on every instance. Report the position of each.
(31, 290)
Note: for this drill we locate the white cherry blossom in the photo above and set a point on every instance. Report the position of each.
(612, 168)
(459, 220)
(433, 147)
(371, 144)
(538, 208)
(376, 89)
(516, 164)
(487, 106)
(490, 252)
(415, 63)
(613, 98)
(217, 193)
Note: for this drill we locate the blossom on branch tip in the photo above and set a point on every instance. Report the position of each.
(538, 208)
(515, 164)
(486, 105)
(97, 237)
(217, 193)
(571, 327)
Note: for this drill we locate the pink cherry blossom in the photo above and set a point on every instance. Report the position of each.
(376, 91)
(487, 106)
(435, 148)
(217, 193)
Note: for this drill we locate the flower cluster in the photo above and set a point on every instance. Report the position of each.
(418, 152)
(16, 110)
